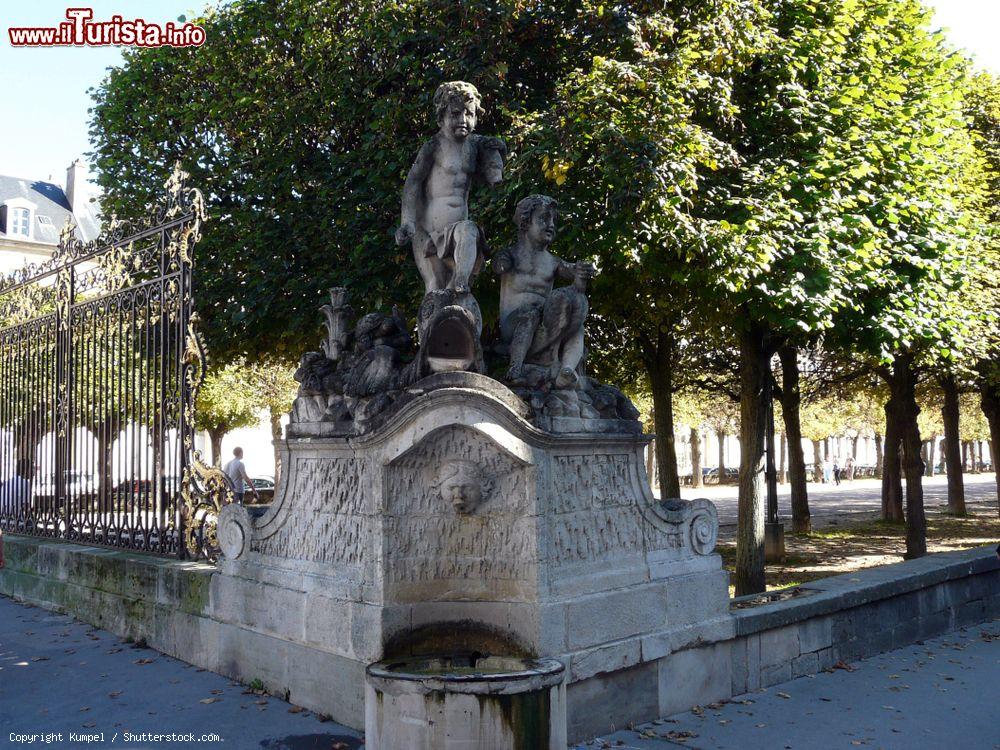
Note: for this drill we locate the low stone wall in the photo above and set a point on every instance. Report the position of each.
(857, 615)
(189, 611)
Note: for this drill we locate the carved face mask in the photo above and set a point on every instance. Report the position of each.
(462, 486)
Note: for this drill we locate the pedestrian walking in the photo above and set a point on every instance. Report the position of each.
(237, 474)
(836, 471)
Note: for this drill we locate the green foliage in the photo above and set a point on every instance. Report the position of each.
(227, 400)
(299, 120)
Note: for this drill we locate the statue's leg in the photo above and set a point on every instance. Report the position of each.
(525, 321)
(466, 249)
(562, 330)
(429, 265)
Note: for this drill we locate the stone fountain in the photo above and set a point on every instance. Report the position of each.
(431, 515)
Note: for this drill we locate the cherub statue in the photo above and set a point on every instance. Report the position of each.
(448, 247)
(541, 325)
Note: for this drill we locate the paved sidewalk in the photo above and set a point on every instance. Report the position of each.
(856, 498)
(59, 675)
(943, 693)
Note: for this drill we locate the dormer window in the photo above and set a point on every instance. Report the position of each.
(20, 222)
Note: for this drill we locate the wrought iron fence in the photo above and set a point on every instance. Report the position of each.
(100, 362)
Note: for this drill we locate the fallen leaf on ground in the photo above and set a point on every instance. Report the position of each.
(681, 735)
(114, 694)
(143, 661)
(844, 665)
(784, 695)
(216, 692)
(40, 658)
(295, 709)
(90, 724)
(209, 700)
(261, 703)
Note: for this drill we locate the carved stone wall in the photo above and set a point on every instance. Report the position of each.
(330, 518)
(595, 509)
(487, 551)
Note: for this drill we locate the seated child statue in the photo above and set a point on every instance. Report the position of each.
(541, 325)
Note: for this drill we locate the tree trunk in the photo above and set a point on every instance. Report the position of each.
(754, 371)
(817, 462)
(782, 459)
(105, 437)
(216, 434)
(879, 460)
(722, 454)
(854, 447)
(952, 448)
(990, 402)
(826, 449)
(650, 461)
(791, 399)
(903, 400)
(659, 367)
(276, 442)
(892, 481)
(695, 457)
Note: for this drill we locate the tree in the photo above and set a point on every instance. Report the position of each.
(791, 402)
(227, 401)
(915, 209)
(952, 448)
(983, 109)
(274, 389)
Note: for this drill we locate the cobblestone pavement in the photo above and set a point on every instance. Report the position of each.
(939, 694)
(862, 496)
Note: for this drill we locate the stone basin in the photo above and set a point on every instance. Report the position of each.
(465, 702)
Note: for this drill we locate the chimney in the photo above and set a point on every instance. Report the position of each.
(76, 186)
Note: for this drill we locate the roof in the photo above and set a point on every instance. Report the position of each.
(51, 201)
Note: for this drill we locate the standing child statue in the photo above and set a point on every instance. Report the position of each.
(542, 326)
(448, 247)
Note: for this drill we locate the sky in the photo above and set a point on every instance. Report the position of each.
(43, 126)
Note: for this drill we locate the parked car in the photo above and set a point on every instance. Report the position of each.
(265, 490)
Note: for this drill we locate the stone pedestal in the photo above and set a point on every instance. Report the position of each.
(774, 542)
(457, 525)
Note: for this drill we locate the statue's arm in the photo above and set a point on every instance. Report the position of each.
(565, 269)
(503, 262)
(413, 192)
(580, 272)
